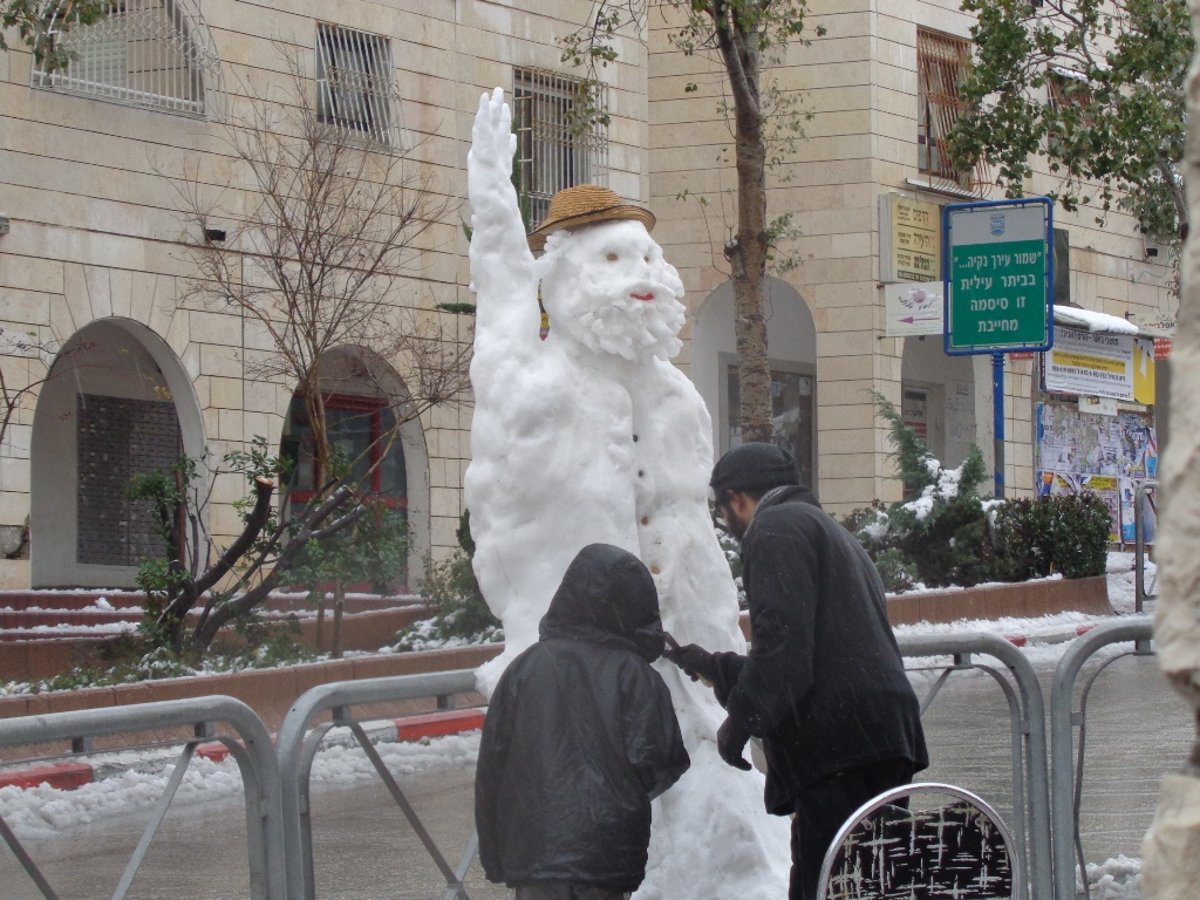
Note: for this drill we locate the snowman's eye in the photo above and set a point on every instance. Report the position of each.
(611, 257)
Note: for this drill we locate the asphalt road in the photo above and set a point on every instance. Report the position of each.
(1136, 730)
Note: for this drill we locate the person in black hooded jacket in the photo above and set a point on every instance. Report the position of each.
(580, 736)
(823, 684)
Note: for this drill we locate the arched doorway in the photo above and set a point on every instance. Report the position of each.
(940, 396)
(364, 400)
(792, 351)
(117, 403)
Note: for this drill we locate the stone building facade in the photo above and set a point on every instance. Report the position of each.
(875, 84)
(95, 270)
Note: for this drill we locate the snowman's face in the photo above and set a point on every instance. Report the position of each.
(608, 287)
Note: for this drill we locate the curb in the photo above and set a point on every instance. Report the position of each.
(406, 729)
(62, 776)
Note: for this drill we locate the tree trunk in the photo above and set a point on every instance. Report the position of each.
(339, 606)
(1171, 850)
(747, 253)
(319, 640)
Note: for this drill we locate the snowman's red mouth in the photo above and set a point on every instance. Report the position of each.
(645, 298)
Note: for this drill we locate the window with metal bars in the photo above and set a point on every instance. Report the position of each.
(142, 53)
(561, 138)
(942, 63)
(356, 84)
(1068, 94)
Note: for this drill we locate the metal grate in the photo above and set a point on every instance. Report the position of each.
(150, 53)
(119, 438)
(558, 144)
(356, 84)
(942, 63)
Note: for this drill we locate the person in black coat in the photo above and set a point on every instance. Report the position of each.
(580, 736)
(823, 684)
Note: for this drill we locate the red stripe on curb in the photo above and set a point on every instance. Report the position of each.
(216, 751)
(1084, 629)
(452, 721)
(1018, 640)
(63, 776)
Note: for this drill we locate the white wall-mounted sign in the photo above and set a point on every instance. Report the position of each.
(913, 307)
(1101, 364)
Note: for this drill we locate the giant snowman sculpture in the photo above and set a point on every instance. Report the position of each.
(592, 435)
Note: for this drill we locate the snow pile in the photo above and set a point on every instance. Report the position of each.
(1116, 879)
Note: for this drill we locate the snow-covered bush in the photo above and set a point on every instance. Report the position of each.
(947, 535)
(938, 538)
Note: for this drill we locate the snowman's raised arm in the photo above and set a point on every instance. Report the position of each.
(502, 266)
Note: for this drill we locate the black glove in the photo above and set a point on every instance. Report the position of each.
(695, 661)
(731, 741)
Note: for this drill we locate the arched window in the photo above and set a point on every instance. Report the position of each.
(363, 431)
(150, 53)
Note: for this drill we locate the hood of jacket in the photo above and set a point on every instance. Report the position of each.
(607, 596)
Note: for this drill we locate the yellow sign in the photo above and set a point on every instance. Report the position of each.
(1143, 370)
(916, 239)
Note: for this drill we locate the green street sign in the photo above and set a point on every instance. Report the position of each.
(999, 276)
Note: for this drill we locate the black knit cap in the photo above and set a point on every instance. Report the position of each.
(754, 467)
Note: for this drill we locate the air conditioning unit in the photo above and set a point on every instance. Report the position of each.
(1153, 250)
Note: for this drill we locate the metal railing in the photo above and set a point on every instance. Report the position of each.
(252, 750)
(297, 745)
(1065, 774)
(1031, 794)
(276, 782)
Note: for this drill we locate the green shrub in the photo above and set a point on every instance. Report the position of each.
(895, 570)
(1065, 534)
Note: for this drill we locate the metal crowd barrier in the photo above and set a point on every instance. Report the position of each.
(1065, 777)
(1031, 795)
(297, 746)
(253, 751)
(276, 782)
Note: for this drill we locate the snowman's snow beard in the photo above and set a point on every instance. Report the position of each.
(602, 314)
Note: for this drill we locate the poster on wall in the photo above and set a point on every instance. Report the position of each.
(1108, 489)
(1108, 455)
(1129, 514)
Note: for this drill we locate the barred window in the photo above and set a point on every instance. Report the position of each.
(561, 140)
(942, 63)
(1068, 94)
(356, 84)
(149, 53)
(118, 438)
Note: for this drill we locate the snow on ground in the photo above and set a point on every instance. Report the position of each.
(138, 782)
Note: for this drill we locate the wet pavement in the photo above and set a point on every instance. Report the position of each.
(1137, 729)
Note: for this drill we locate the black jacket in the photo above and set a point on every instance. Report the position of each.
(580, 735)
(823, 684)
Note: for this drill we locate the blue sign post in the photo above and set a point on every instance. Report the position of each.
(998, 268)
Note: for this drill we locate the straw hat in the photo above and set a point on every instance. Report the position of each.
(582, 205)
